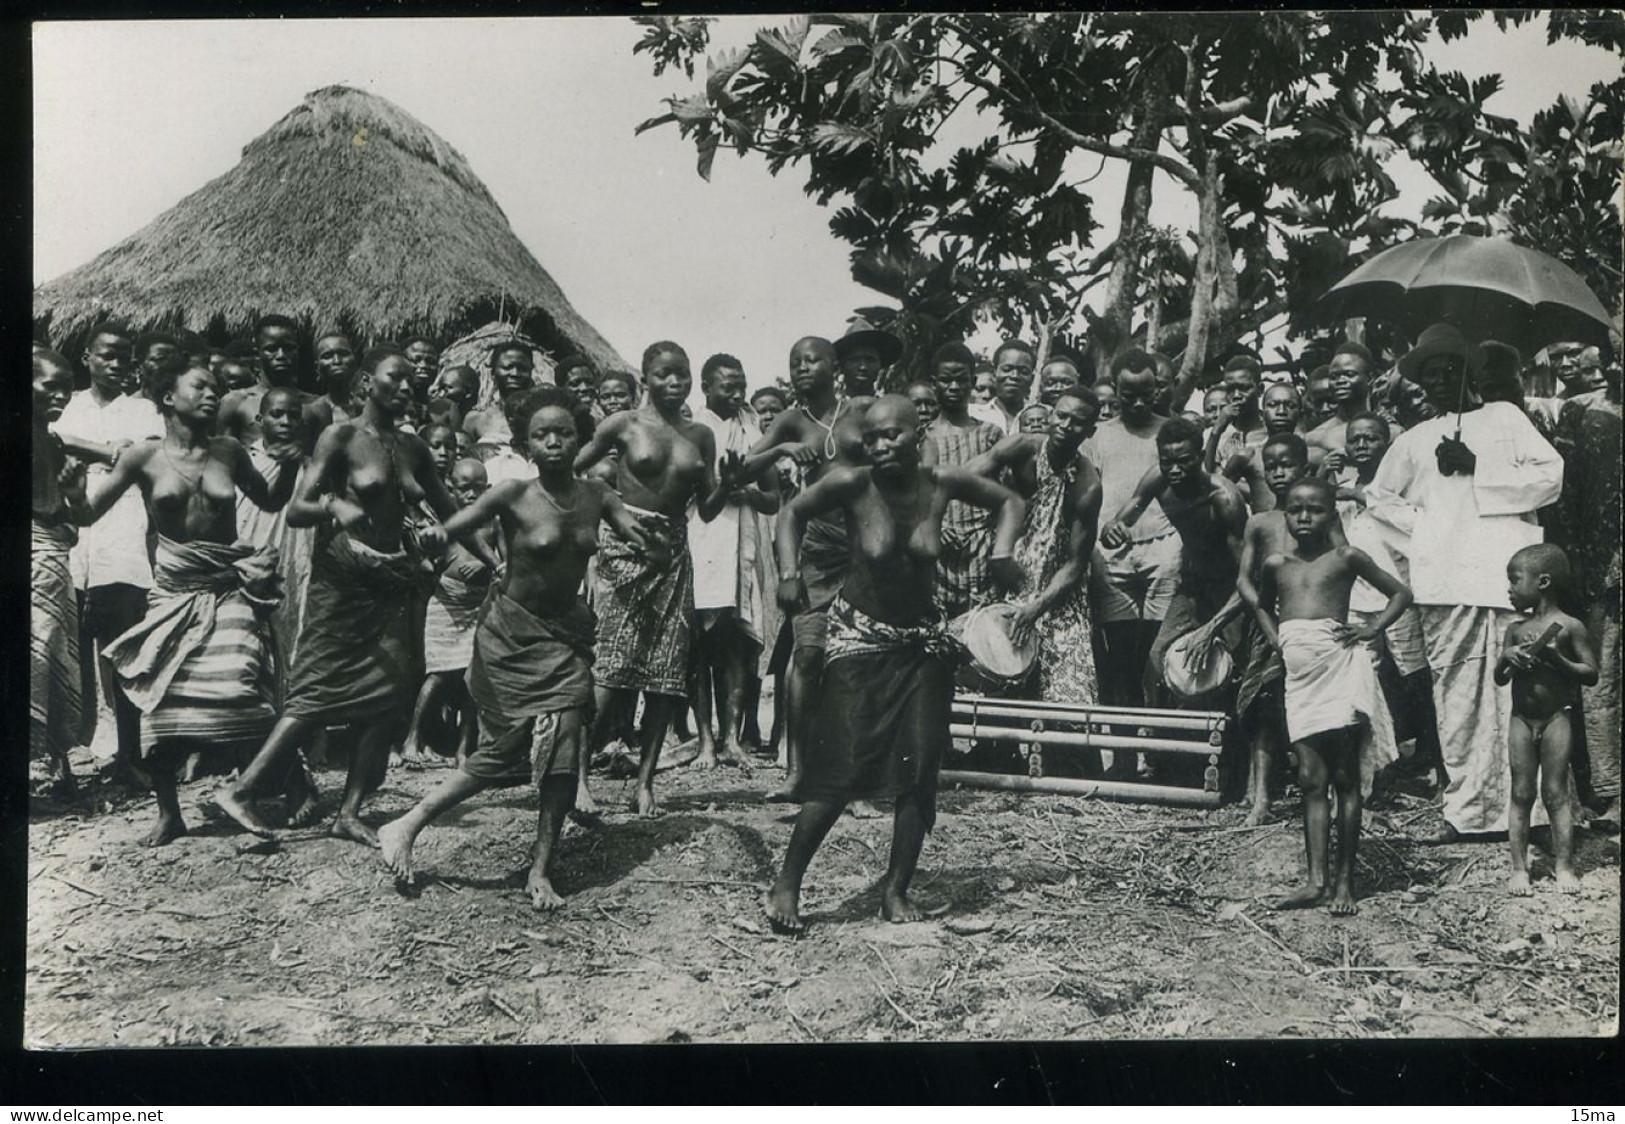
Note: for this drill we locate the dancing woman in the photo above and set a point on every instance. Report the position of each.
(888, 673)
(531, 675)
(645, 600)
(355, 663)
(199, 666)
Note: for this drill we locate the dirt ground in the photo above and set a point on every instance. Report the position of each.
(1066, 918)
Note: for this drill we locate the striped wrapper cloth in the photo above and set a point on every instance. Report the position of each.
(963, 578)
(199, 666)
(452, 613)
(645, 610)
(53, 654)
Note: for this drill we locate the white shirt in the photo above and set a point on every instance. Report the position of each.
(724, 550)
(505, 463)
(993, 414)
(1122, 459)
(1460, 530)
(1385, 546)
(112, 550)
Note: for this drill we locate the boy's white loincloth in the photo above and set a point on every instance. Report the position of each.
(1332, 687)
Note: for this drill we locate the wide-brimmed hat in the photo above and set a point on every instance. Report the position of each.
(1441, 339)
(861, 333)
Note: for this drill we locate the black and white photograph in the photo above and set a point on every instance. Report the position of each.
(811, 529)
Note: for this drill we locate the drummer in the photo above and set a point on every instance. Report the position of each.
(1063, 491)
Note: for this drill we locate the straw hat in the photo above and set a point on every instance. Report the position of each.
(1441, 339)
(861, 333)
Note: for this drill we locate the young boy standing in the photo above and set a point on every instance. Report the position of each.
(1331, 680)
(1547, 657)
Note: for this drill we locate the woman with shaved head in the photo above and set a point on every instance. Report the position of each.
(888, 671)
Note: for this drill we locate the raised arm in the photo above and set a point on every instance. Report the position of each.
(605, 440)
(1010, 449)
(128, 470)
(832, 491)
(1009, 509)
(1580, 661)
(328, 464)
(266, 497)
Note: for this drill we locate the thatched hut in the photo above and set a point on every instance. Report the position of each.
(348, 212)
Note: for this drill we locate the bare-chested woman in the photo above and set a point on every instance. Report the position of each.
(199, 665)
(888, 674)
(822, 431)
(645, 600)
(531, 675)
(355, 662)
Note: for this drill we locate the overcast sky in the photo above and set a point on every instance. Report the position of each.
(131, 117)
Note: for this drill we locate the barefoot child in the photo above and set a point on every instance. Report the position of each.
(462, 580)
(1332, 696)
(1546, 657)
(531, 674)
(1260, 699)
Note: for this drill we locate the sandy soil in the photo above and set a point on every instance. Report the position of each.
(1066, 918)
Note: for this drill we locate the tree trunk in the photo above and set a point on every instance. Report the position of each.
(1206, 281)
(1118, 319)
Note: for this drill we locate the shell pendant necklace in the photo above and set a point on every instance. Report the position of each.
(829, 430)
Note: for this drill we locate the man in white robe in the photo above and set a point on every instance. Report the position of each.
(730, 599)
(1462, 489)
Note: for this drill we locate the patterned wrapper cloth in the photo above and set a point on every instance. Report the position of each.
(53, 655)
(527, 673)
(887, 697)
(356, 657)
(645, 608)
(1066, 655)
(199, 666)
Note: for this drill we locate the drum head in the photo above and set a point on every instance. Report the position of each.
(993, 649)
(1188, 676)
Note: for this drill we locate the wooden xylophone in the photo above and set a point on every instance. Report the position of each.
(1042, 730)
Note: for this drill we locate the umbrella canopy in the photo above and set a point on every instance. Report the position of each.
(347, 213)
(1488, 287)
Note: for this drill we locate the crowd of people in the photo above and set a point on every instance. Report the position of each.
(543, 578)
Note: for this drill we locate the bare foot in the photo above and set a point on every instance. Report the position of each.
(897, 907)
(786, 792)
(1302, 898)
(396, 847)
(1257, 815)
(308, 812)
(1567, 883)
(351, 828)
(706, 758)
(644, 803)
(782, 906)
(166, 831)
(1518, 885)
(586, 803)
(1341, 903)
(232, 803)
(542, 895)
(732, 754)
(863, 810)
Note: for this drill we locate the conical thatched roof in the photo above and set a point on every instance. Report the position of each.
(346, 212)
